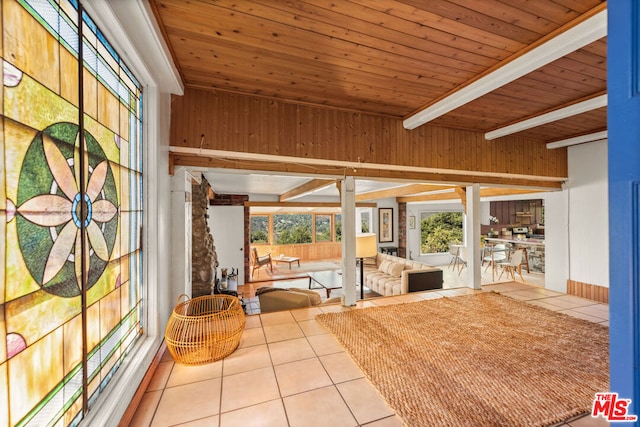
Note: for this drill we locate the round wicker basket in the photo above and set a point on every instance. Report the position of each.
(204, 329)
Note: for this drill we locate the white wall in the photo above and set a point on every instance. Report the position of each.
(386, 203)
(226, 224)
(556, 230)
(589, 214)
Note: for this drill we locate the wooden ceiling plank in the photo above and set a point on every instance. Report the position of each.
(598, 48)
(548, 11)
(352, 29)
(592, 23)
(558, 76)
(400, 191)
(452, 26)
(578, 106)
(484, 192)
(452, 11)
(307, 187)
(286, 32)
(377, 91)
(527, 16)
(383, 25)
(428, 197)
(305, 205)
(340, 102)
(579, 6)
(198, 48)
(553, 93)
(357, 109)
(227, 61)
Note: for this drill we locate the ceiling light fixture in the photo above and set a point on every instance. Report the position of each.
(551, 116)
(592, 137)
(576, 37)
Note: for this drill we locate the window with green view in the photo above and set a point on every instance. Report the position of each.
(259, 229)
(323, 228)
(292, 228)
(437, 229)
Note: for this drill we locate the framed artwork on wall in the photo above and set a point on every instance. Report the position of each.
(385, 225)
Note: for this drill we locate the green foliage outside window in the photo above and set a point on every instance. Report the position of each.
(438, 229)
(323, 228)
(292, 228)
(259, 229)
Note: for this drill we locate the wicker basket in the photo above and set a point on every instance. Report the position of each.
(204, 329)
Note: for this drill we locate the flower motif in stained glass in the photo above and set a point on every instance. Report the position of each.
(52, 210)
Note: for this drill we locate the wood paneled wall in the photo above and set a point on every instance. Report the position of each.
(306, 251)
(507, 212)
(230, 122)
(589, 291)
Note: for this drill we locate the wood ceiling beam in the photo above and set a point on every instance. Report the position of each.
(305, 188)
(578, 106)
(462, 193)
(305, 205)
(453, 177)
(400, 191)
(583, 30)
(484, 192)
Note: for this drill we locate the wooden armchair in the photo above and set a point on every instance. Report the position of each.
(258, 261)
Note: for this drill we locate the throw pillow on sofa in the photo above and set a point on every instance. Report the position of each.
(384, 266)
(396, 269)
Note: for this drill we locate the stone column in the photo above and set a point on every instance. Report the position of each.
(203, 250)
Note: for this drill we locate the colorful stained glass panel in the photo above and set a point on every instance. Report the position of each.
(62, 212)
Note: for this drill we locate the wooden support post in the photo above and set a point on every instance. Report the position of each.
(462, 192)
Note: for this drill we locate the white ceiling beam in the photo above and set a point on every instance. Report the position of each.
(520, 64)
(552, 116)
(592, 137)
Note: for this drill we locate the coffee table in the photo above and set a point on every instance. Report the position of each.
(329, 280)
(288, 259)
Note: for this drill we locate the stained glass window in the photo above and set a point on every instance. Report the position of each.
(70, 212)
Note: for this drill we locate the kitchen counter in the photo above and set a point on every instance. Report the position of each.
(539, 242)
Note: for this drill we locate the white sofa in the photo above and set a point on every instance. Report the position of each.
(392, 275)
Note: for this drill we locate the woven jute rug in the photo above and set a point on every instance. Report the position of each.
(477, 360)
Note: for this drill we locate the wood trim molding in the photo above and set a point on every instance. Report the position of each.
(305, 204)
(307, 187)
(284, 165)
(400, 191)
(462, 193)
(453, 194)
(588, 291)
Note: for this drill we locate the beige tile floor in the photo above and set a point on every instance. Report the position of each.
(289, 371)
